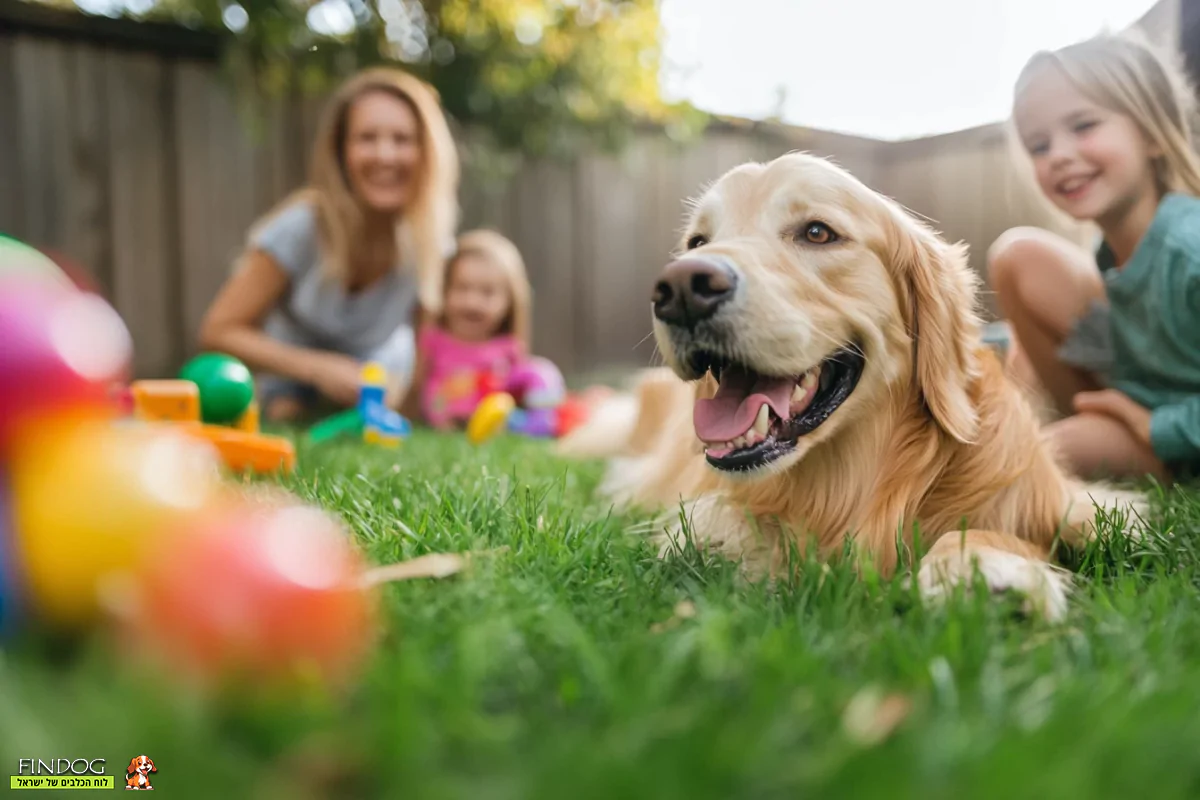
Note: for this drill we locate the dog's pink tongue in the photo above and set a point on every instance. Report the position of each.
(731, 413)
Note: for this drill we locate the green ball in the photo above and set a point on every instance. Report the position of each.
(225, 383)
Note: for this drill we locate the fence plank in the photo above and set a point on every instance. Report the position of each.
(42, 109)
(192, 124)
(87, 235)
(12, 198)
(143, 255)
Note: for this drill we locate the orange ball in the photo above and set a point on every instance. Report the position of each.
(263, 592)
(92, 500)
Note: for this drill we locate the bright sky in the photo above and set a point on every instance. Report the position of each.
(891, 69)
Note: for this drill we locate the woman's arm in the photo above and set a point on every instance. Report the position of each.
(233, 325)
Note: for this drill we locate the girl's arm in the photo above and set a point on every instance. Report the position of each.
(233, 325)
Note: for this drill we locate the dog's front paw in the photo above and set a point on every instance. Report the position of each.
(1044, 587)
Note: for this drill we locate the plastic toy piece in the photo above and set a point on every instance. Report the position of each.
(372, 420)
(536, 383)
(381, 425)
(249, 421)
(345, 423)
(226, 386)
(166, 401)
(490, 417)
(242, 451)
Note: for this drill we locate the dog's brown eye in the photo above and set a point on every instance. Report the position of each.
(697, 241)
(819, 233)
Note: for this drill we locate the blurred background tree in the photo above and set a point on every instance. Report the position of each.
(529, 77)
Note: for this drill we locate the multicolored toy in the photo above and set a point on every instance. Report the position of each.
(371, 420)
(61, 349)
(182, 402)
(533, 401)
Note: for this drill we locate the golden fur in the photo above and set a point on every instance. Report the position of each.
(934, 437)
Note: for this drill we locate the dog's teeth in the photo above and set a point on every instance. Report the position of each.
(762, 420)
(810, 378)
(798, 393)
(739, 442)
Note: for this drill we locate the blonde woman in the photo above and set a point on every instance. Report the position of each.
(340, 271)
(1112, 337)
(482, 331)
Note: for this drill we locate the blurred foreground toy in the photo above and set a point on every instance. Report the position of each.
(264, 592)
(100, 519)
(59, 348)
(242, 447)
(90, 500)
(532, 402)
(371, 420)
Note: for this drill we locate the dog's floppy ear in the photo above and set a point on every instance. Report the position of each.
(943, 321)
(152, 767)
(132, 768)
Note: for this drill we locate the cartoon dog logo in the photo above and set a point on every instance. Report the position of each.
(137, 774)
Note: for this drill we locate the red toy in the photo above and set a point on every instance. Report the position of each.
(268, 592)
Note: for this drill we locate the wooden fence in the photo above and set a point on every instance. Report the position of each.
(124, 149)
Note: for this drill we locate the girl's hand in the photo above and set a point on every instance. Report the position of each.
(1119, 406)
(337, 377)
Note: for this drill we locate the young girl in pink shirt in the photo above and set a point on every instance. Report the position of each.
(482, 333)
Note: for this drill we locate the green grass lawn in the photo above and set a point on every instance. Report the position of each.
(573, 662)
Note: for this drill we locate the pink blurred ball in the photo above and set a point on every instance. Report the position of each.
(63, 349)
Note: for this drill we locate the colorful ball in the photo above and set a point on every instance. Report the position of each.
(92, 500)
(18, 257)
(226, 386)
(61, 349)
(260, 592)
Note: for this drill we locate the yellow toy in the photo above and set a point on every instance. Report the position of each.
(491, 417)
(92, 500)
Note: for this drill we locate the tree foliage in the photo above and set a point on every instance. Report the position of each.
(540, 77)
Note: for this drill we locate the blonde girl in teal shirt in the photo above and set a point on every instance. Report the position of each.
(1111, 337)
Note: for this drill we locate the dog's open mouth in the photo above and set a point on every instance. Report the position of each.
(755, 419)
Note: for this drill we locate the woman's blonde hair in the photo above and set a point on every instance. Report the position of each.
(502, 254)
(427, 225)
(1126, 74)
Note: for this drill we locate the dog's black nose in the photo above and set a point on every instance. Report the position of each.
(692, 289)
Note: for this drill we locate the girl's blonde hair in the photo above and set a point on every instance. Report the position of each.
(502, 254)
(426, 227)
(1126, 74)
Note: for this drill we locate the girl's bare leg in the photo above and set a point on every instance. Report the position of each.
(1044, 283)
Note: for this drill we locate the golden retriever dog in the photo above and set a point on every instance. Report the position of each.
(826, 381)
